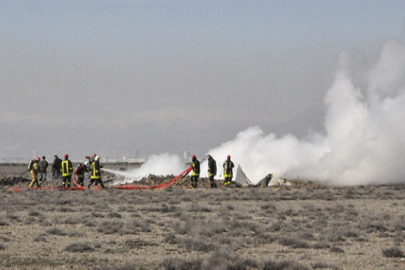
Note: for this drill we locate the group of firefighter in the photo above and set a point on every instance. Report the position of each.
(64, 169)
(212, 171)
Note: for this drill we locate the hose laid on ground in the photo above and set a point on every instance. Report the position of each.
(171, 182)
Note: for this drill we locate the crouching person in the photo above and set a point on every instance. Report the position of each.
(80, 170)
(95, 171)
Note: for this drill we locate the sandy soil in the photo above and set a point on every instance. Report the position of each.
(304, 226)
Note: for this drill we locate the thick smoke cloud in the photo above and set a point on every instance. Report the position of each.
(364, 141)
(163, 164)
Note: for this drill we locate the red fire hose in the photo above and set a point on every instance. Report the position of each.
(171, 182)
(78, 187)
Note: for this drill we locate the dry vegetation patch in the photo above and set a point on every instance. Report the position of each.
(303, 226)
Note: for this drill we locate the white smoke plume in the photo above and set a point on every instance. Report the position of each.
(163, 164)
(364, 141)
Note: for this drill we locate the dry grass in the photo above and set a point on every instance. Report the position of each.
(305, 226)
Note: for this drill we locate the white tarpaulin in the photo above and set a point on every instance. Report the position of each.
(241, 177)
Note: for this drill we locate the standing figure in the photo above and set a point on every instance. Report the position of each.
(212, 170)
(228, 173)
(67, 170)
(34, 172)
(96, 171)
(43, 165)
(56, 166)
(196, 172)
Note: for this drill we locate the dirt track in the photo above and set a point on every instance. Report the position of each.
(306, 225)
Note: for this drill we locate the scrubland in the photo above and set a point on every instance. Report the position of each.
(303, 226)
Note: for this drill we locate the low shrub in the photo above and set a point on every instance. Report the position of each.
(3, 223)
(292, 242)
(137, 243)
(56, 231)
(170, 239)
(34, 213)
(110, 227)
(79, 247)
(114, 215)
(181, 264)
(138, 225)
(197, 245)
(321, 265)
(336, 250)
(393, 252)
(71, 221)
(40, 238)
(290, 265)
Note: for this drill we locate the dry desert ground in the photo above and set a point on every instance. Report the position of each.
(303, 226)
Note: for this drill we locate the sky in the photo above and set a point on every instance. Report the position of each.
(162, 77)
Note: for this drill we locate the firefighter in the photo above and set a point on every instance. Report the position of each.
(228, 167)
(43, 165)
(196, 171)
(67, 170)
(81, 169)
(96, 171)
(212, 170)
(34, 172)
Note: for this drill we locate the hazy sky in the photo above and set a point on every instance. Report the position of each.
(111, 76)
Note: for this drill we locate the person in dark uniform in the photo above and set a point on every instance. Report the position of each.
(80, 170)
(43, 165)
(212, 170)
(56, 166)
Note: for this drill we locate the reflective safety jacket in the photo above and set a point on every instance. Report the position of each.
(34, 168)
(228, 166)
(196, 168)
(95, 170)
(67, 168)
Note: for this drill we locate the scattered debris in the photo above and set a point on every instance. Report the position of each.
(280, 181)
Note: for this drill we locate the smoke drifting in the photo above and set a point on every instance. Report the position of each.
(363, 142)
(163, 164)
(365, 137)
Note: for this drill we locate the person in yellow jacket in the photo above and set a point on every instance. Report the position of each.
(228, 170)
(96, 171)
(67, 171)
(196, 171)
(34, 172)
